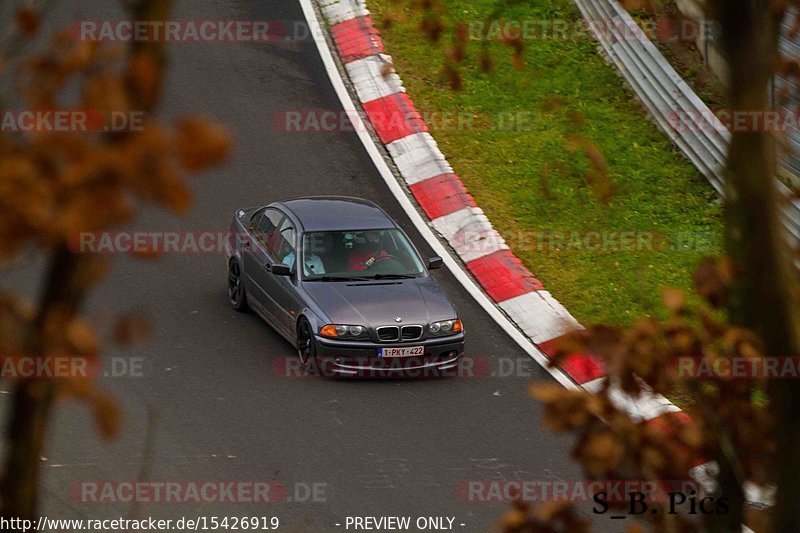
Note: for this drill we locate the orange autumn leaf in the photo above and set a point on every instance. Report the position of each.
(92, 210)
(144, 79)
(600, 453)
(105, 92)
(107, 415)
(201, 143)
(674, 299)
(130, 328)
(82, 338)
(175, 194)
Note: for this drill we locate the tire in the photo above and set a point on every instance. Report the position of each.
(236, 294)
(306, 346)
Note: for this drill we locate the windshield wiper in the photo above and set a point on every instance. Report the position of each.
(339, 278)
(392, 276)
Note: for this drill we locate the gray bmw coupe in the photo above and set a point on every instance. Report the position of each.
(339, 279)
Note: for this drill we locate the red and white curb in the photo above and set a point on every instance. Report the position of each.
(450, 209)
(505, 284)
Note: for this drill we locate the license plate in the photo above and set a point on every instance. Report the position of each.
(405, 351)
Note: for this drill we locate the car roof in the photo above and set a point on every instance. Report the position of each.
(318, 213)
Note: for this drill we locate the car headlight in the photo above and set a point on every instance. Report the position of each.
(445, 327)
(344, 331)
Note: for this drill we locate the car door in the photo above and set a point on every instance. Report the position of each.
(263, 231)
(283, 289)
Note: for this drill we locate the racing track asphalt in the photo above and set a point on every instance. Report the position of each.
(219, 411)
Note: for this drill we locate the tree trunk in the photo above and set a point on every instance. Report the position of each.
(33, 398)
(762, 297)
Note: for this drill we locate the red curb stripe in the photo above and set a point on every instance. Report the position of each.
(581, 367)
(394, 117)
(442, 195)
(356, 38)
(667, 425)
(502, 275)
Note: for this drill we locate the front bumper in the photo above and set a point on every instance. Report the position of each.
(442, 357)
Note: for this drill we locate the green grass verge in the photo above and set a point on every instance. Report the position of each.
(529, 180)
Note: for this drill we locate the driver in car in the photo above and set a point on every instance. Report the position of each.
(365, 255)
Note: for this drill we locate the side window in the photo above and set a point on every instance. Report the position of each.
(255, 219)
(265, 228)
(270, 221)
(285, 247)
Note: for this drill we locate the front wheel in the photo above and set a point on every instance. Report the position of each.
(236, 295)
(306, 346)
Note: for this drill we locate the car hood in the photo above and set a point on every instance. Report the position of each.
(377, 303)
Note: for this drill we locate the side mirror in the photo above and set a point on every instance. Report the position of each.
(435, 262)
(279, 269)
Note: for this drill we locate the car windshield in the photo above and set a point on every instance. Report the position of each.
(371, 254)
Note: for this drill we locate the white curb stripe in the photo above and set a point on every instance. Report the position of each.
(418, 158)
(369, 81)
(594, 386)
(646, 406)
(759, 494)
(469, 233)
(540, 316)
(342, 10)
(705, 475)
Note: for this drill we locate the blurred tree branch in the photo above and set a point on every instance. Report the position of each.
(750, 311)
(54, 185)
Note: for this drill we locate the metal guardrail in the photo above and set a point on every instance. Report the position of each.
(784, 92)
(669, 99)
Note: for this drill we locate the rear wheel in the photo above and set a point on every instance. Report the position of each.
(236, 295)
(306, 346)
